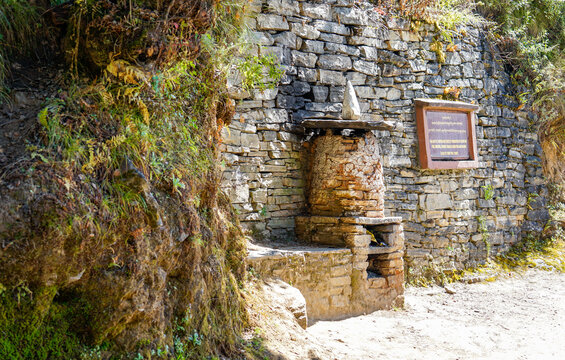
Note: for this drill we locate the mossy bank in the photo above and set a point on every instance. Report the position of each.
(114, 239)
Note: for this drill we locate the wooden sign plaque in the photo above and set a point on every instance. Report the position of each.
(446, 134)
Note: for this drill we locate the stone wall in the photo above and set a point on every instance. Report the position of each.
(328, 280)
(390, 63)
(322, 276)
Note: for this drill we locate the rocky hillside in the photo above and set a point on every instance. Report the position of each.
(113, 237)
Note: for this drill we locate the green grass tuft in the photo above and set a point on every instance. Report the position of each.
(19, 21)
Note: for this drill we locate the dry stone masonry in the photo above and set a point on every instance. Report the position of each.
(345, 176)
(389, 62)
(331, 280)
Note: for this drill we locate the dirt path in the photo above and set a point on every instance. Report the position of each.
(519, 317)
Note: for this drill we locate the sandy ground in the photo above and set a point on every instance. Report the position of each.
(518, 317)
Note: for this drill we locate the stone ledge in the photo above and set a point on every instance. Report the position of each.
(359, 220)
(324, 123)
(377, 250)
(436, 103)
(259, 252)
(362, 220)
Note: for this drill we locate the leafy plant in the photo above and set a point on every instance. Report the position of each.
(531, 37)
(19, 22)
(483, 229)
(531, 197)
(488, 192)
(260, 72)
(448, 15)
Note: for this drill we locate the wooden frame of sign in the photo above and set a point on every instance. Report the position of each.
(446, 134)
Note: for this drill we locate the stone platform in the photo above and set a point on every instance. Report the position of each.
(363, 272)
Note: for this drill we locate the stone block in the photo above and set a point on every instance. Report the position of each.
(350, 16)
(366, 92)
(370, 53)
(324, 107)
(288, 39)
(418, 65)
(432, 202)
(393, 94)
(299, 58)
(274, 146)
(323, 220)
(271, 22)
(286, 136)
(395, 281)
(307, 74)
(276, 116)
(267, 94)
(272, 168)
(328, 77)
(452, 58)
(504, 132)
(410, 36)
(360, 262)
(358, 240)
(313, 46)
(340, 270)
(391, 263)
(305, 31)
(366, 67)
(390, 70)
(287, 223)
(338, 290)
(317, 11)
(260, 38)
(340, 281)
(240, 194)
(301, 88)
(377, 283)
(333, 48)
(397, 45)
(250, 141)
(334, 62)
(231, 136)
(284, 7)
(337, 94)
(331, 27)
(391, 57)
(320, 93)
(356, 78)
(538, 215)
(332, 38)
(249, 104)
(467, 194)
(361, 40)
(259, 196)
(372, 32)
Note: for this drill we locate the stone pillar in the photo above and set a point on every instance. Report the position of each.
(346, 176)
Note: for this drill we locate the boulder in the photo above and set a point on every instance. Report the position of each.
(289, 298)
